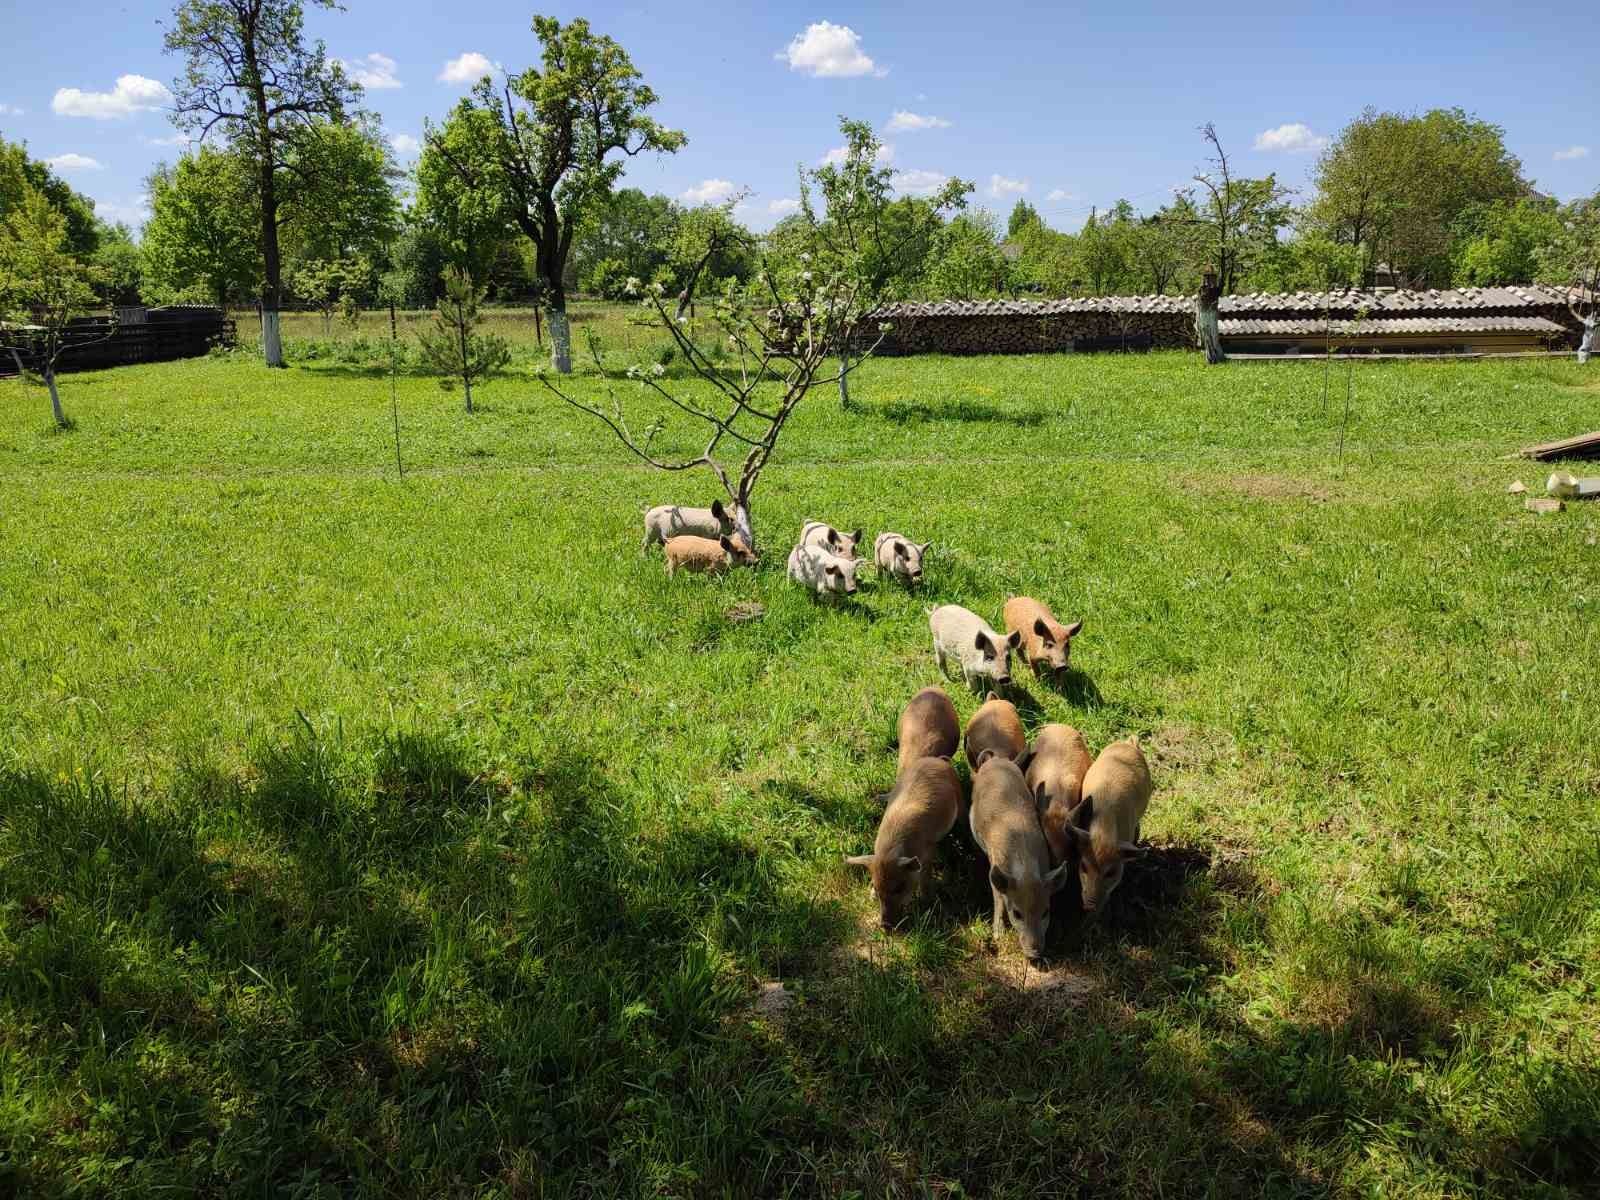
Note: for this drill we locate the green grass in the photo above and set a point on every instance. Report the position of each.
(420, 837)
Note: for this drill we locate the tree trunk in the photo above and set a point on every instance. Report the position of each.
(538, 324)
(55, 396)
(1205, 319)
(466, 363)
(560, 339)
(1586, 343)
(272, 288)
(844, 380)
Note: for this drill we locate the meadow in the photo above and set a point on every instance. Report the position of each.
(416, 836)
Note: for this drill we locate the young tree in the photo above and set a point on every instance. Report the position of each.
(120, 264)
(19, 174)
(250, 75)
(330, 285)
(542, 150)
(1239, 218)
(1572, 260)
(877, 243)
(1022, 216)
(965, 262)
(453, 349)
(42, 287)
(204, 232)
(784, 324)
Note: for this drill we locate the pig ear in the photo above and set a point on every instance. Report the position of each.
(998, 880)
(1041, 796)
(982, 642)
(911, 862)
(1073, 629)
(926, 546)
(726, 543)
(1083, 810)
(859, 860)
(856, 536)
(1040, 628)
(984, 756)
(1015, 639)
(1024, 759)
(1057, 878)
(833, 538)
(718, 511)
(900, 550)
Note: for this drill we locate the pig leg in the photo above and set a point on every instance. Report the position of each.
(999, 912)
(938, 653)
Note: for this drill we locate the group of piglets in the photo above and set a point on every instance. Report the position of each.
(700, 539)
(825, 559)
(963, 638)
(1034, 811)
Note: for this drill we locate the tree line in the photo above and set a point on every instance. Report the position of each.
(290, 194)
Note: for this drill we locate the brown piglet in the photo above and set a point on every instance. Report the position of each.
(1105, 825)
(922, 808)
(1046, 642)
(929, 728)
(698, 554)
(997, 727)
(1055, 766)
(1005, 825)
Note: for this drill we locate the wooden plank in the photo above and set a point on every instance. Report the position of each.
(1585, 445)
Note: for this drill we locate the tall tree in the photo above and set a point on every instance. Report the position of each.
(338, 199)
(19, 173)
(1397, 186)
(43, 285)
(1022, 216)
(204, 232)
(550, 145)
(250, 75)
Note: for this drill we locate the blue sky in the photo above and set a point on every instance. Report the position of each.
(1070, 106)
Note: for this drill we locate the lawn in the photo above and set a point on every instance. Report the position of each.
(418, 837)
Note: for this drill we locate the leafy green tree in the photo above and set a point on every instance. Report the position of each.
(471, 222)
(120, 264)
(630, 229)
(453, 348)
(338, 199)
(545, 151)
(1501, 243)
(1397, 187)
(416, 260)
(708, 244)
(1164, 248)
(1572, 261)
(250, 75)
(19, 173)
(332, 285)
(43, 285)
(204, 233)
(1105, 250)
(966, 262)
(1022, 216)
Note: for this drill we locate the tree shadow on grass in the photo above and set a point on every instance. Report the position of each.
(1073, 686)
(909, 412)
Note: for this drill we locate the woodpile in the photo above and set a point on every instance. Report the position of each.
(1120, 323)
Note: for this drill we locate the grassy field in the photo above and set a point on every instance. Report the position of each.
(418, 837)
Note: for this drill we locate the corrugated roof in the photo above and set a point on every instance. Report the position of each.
(1383, 326)
(1038, 308)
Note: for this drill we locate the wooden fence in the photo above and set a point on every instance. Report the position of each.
(163, 334)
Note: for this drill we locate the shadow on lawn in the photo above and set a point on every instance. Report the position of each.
(908, 412)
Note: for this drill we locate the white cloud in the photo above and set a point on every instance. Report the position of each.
(74, 162)
(10, 110)
(782, 208)
(1059, 194)
(709, 191)
(133, 94)
(836, 156)
(404, 144)
(1000, 186)
(134, 212)
(919, 183)
(1294, 138)
(177, 139)
(468, 68)
(374, 71)
(909, 122)
(1567, 155)
(829, 51)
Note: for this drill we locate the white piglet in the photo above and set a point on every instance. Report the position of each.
(821, 572)
(900, 557)
(964, 637)
(825, 537)
(675, 520)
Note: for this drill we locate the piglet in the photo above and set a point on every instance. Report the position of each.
(922, 809)
(982, 654)
(900, 557)
(814, 568)
(1046, 642)
(825, 537)
(1005, 826)
(929, 728)
(1105, 824)
(674, 520)
(1055, 766)
(700, 554)
(996, 727)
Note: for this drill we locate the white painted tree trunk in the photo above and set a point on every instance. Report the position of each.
(271, 338)
(1210, 337)
(55, 397)
(844, 380)
(560, 342)
(1586, 344)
